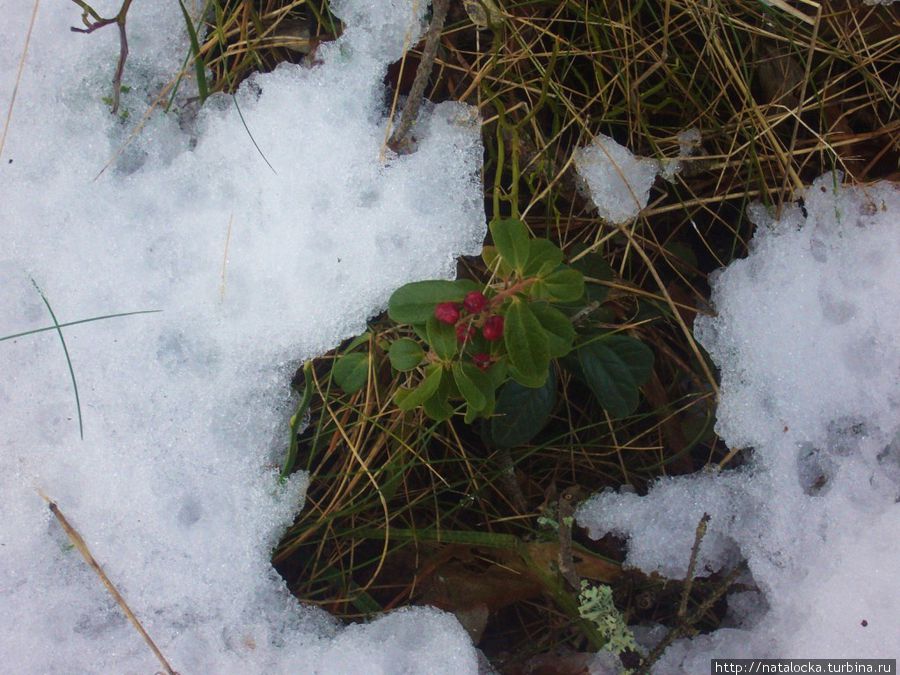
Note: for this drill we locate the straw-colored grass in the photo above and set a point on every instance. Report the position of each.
(781, 92)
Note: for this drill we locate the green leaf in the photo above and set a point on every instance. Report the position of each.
(497, 372)
(543, 256)
(438, 408)
(467, 285)
(512, 241)
(614, 367)
(560, 331)
(441, 337)
(415, 302)
(528, 379)
(467, 387)
(413, 398)
(595, 269)
(421, 333)
(494, 262)
(564, 284)
(526, 344)
(522, 412)
(351, 371)
(405, 354)
(357, 341)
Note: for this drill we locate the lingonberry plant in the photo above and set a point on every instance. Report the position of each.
(471, 339)
(494, 348)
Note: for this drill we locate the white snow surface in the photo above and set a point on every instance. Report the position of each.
(807, 339)
(174, 486)
(618, 182)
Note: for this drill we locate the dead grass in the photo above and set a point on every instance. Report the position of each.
(781, 92)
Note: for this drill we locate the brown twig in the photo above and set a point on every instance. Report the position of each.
(692, 565)
(79, 543)
(398, 139)
(92, 22)
(685, 624)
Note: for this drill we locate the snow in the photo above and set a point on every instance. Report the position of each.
(617, 181)
(174, 485)
(807, 339)
(688, 143)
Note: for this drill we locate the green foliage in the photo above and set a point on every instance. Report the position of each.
(496, 362)
(408, 399)
(512, 242)
(614, 367)
(557, 327)
(527, 345)
(405, 354)
(351, 371)
(414, 303)
(522, 412)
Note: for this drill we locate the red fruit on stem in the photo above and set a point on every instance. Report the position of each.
(483, 361)
(493, 328)
(464, 332)
(447, 312)
(475, 302)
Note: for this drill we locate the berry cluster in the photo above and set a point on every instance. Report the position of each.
(467, 318)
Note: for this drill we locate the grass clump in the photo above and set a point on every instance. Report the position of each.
(403, 508)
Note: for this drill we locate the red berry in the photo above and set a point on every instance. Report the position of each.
(474, 302)
(483, 361)
(493, 328)
(464, 332)
(447, 312)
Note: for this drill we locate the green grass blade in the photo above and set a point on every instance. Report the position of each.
(68, 360)
(296, 419)
(75, 323)
(247, 129)
(202, 87)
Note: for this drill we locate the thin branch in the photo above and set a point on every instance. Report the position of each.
(94, 21)
(692, 566)
(398, 139)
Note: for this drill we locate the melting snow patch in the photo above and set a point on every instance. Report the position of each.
(807, 340)
(254, 269)
(618, 182)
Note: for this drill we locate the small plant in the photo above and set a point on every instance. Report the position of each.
(595, 603)
(495, 348)
(470, 340)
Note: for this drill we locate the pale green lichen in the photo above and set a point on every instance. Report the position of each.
(595, 603)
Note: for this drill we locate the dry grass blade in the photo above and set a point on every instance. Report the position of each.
(19, 70)
(79, 543)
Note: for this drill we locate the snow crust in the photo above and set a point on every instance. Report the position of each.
(174, 486)
(807, 339)
(618, 182)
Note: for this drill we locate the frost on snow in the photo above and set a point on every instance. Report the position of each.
(618, 182)
(807, 340)
(174, 486)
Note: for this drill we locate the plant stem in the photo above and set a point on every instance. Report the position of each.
(398, 140)
(92, 22)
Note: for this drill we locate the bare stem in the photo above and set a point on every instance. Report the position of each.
(423, 72)
(94, 21)
(692, 565)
